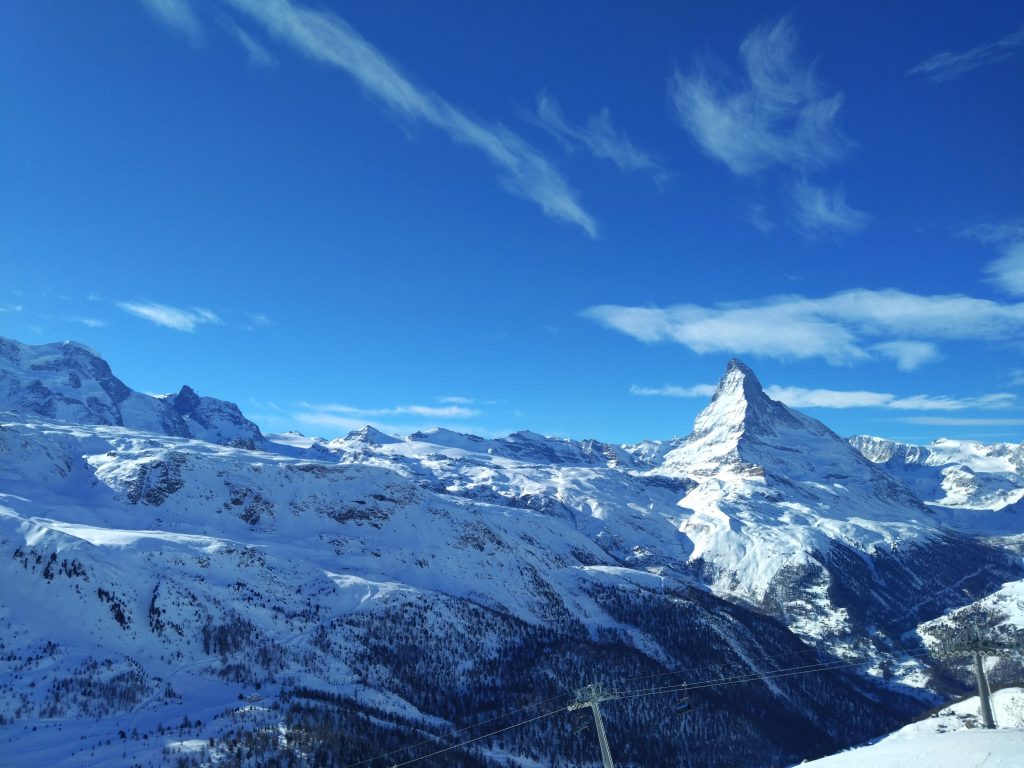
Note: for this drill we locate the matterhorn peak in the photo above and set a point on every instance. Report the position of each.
(739, 423)
(743, 434)
(738, 375)
(739, 404)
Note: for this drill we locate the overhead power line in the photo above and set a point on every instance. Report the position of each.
(437, 739)
(478, 738)
(626, 694)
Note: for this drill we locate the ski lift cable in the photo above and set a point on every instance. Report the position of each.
(616, 693)
(632, 694)
(437, 739)
(798, 670)
(691, 670)
(912, 651)
(477, 738)
(753, 677)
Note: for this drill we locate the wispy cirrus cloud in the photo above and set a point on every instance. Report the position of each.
(945, 66)
(779, 114)
(845, 328)
(171, 317)
(801, 397)
(394, 420)
(254, 320)
(957, 421)
(325, 37)
(179, 15)
(257, 52)
(757, 216)
(1007, 271)
(671, 390)
(89, 322)
(597, 135)
(775, 113)
(429, 411)
(818, 211)
(908, 355)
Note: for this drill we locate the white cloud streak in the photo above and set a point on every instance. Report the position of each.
(170, 317)
(800, 397)
(757, 216)
(908, 355)
(1007, 271)
(256, 320)
(339, 416)
(343, 423)
(257, 52)
(779, 115)
(428, 411)
(845, 328)
(945, 66)
(178, 15)
(954, 421)
(671, 390)
(818, 211)
(599, 136)
(89, 322)
(326, 38)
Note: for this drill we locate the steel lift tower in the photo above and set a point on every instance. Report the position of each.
(971, 641)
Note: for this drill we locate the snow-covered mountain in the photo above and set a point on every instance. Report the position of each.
(292, 593)
(69, 382)
(952, 473)
(783, 511)
(762, 503)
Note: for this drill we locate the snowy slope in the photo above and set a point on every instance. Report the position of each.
(149, 579)
(760, 502)
(158, 564)
(951, 738)
(952, 473)
(775, 490)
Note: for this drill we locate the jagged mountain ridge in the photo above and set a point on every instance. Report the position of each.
(70, 382)
(305, 562)
(952, 473)
(743, 430)
(152, 580)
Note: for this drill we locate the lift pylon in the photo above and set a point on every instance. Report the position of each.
(592, 696)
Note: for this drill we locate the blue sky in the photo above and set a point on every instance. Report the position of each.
(565, 217)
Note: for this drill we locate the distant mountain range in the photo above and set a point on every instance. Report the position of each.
(162, 558)
(69, 382)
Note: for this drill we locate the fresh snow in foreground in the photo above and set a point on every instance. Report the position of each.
(951, 738)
